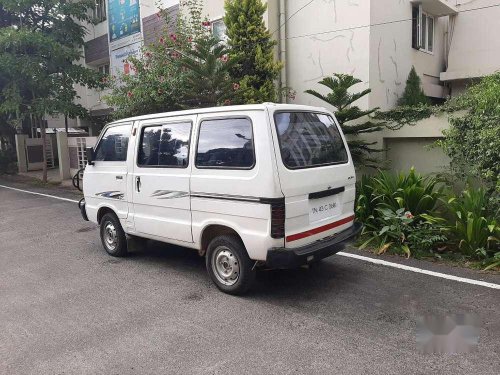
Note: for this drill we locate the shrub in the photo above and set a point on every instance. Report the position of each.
(401, 214)
(388, 229)
(411, 191)
(365, 206)
(475, 230)
(493, 262)
(473, 139)
(413, 94)
(426, 237)
(394, 208)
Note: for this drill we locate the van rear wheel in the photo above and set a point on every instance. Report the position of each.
(112, 236)
(229, 266)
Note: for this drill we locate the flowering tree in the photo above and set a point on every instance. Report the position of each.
(183, 69)
(154, 85)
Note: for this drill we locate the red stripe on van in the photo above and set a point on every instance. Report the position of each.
(312, 232)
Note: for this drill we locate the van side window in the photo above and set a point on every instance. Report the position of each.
(225, 143)
(165, 145)
(113, 144)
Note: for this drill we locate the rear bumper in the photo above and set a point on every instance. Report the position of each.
(81, 206)
(291, 258)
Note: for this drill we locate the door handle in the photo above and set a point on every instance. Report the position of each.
(138, 183)
(119, 177)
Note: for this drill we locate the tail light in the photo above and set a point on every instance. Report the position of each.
(278, 220)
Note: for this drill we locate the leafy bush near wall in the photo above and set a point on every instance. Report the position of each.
(411, 191)
(472, 225)
(391, 206)
(473, 139)
(410, 214)
(8, 162)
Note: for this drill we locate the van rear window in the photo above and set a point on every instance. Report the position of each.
(309, 139)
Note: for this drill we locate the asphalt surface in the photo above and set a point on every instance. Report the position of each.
(68, 308)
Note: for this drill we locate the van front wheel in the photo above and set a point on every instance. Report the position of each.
(229, 266)
(112, 236)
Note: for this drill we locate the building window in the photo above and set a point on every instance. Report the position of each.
(219, 30)
(422, 30)
(427, 33)
(99, 12)
(103, 69)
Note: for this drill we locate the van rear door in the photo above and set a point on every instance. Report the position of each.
(316, 175)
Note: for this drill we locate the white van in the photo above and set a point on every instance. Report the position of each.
(247, 186)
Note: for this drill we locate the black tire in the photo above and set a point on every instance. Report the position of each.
(115, 245)
(241, 274)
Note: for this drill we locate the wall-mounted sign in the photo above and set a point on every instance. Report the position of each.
(118, 58)
(124, 18)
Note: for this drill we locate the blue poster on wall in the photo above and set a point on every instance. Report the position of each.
(124, 18)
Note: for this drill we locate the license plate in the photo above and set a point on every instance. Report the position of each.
(324, 208)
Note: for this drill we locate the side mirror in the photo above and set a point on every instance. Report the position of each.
(89, 151)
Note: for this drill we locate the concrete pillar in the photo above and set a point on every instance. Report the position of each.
(22, 162)
(63, 151)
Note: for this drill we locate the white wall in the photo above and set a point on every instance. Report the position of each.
(421, 153)
(392, 55)
(214, 9)
(475, 42)
(319, 45)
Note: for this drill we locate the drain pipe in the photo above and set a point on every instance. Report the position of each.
(282, 50)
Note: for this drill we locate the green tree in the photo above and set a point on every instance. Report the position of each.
(473, 139)
(252, 49)
(208, 82)
(40, 43)
(350, 117)
(413, 95)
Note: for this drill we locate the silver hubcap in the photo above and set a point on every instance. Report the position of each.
(225, 265)
(110, 237)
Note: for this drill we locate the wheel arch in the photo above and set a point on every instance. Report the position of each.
(103, 210)
(214, 230)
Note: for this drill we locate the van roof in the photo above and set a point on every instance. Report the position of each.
(246, 107)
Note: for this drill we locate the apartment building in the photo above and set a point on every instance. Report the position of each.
(121, 29)
(449, 42)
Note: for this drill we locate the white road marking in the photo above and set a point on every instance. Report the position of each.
(341, 253)
(43, 195)
(420, 270)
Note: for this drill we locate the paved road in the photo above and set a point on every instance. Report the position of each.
(67, 307)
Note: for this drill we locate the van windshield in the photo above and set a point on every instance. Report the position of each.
(309, 139)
